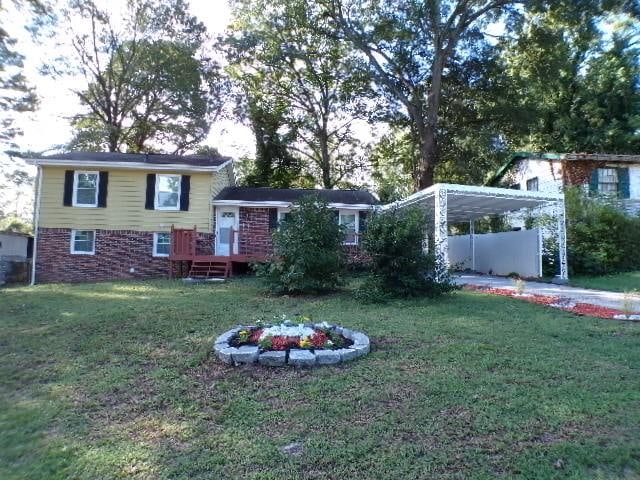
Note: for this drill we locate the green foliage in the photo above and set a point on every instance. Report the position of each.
(309, 80)
(308, 254)
(570, 88)
(17, 95)
(399, 265)
(16, 225)
(275, 166)
(150, 82)
(600, 238)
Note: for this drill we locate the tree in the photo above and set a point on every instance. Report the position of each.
(150, 84)
(16, 94)
(275, 165)
(571, 87)
(312, 78)
(409, 45)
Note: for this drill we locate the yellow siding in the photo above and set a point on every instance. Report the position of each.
(125, 203)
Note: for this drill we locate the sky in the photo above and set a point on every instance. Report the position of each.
(48, 126)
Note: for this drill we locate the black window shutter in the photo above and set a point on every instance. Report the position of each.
(593, 182)
(623, 183)
(336, 214)
(151, 191)
(67, 198)
(273, 218)
(102, 189)
(185, 188)
(363, 220)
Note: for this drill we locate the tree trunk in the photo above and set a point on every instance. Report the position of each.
(429, 157)
(428, 147)
(325, 160)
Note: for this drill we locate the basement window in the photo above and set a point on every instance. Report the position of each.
(161, 244)
(83, 242)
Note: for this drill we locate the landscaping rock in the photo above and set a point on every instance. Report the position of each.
(226, 354)
(228, 335)
(273, 359)
(295, 448)
(327, 357)
(346, 333)
(347, 354)
(302, 358)
(246, 354)
(360, 349)
(220, 346)
(360, 339)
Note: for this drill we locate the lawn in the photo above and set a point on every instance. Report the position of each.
(116, 380)
(619, 282)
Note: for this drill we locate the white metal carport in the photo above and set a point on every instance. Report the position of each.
(450, 203)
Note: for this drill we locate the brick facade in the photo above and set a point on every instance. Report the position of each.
(117, 252)
(255, 236)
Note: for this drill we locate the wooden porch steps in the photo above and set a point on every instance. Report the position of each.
(210, 269)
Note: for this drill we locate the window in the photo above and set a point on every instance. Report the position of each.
(167, 192)
(350, 221)
(532, 184)
(161, 244)
(85, 189)
(83, 242)
(515, 186)
(283, 214)
(608, 181)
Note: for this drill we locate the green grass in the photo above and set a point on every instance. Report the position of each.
(116, 380)
(619, 282)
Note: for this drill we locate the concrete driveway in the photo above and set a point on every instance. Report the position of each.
(575, 294)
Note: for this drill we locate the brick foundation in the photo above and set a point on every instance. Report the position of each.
(116, 253)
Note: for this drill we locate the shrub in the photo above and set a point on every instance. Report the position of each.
(399, 265)
(308, 254)
(600, 238)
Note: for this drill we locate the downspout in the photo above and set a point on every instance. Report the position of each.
(36, 224)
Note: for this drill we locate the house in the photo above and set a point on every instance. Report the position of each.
(15, 252)
(103, 216)
(615, 178)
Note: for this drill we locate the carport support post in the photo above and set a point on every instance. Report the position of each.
(441, 234)
(472, 238)
(562, 240)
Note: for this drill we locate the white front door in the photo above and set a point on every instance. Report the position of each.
(226, 231)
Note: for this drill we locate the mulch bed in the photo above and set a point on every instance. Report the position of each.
(552, 301)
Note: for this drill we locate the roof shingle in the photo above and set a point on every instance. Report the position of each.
(264, 194)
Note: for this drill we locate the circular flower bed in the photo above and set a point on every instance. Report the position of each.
(288, 343)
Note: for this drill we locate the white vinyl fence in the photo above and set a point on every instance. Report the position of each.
(498, 253)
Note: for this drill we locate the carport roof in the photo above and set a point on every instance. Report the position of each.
(468, 202)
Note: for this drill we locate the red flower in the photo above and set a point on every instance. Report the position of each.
(255, 336)
(282, 343)
(318, 339)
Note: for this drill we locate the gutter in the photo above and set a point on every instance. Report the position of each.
(36, 223)
(127, 165)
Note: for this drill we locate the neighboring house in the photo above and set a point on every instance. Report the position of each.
(102, 216)
(615, 178)
(15, 251)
